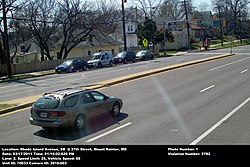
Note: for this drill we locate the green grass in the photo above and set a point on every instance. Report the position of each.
(216, 44)
(4, 106)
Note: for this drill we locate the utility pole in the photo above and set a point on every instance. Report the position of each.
(187, 23)
(6, 40)
(124, 27)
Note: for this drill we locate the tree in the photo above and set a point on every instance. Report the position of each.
(106, 16)
(75, 24)
(233, 11)
(148, 30)
(148, 7)
(6, 7)
(41, 20)
(172, 9)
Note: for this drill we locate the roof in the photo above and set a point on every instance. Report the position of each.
(65, 92)
(99, 39)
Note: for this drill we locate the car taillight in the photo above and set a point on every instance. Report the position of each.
(32, 111)
(58, 113)
(61, 113)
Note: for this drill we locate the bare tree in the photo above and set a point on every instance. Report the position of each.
(107, 15)
(172, 9)
(40, 18)
(75, 25)
(233, 9)
(7, 7)
(148, 7)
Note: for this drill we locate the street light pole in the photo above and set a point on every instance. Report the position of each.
(124, 28)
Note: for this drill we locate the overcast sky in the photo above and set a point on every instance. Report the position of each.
(198, 2)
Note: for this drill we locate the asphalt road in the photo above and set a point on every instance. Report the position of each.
(207, 103)
(35, 86)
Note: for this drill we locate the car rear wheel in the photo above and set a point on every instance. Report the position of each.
(80, 122)
(111, 63)
(116, 109)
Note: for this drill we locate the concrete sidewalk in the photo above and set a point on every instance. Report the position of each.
(28, 101)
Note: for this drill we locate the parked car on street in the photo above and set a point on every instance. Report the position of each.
(125, 57)
(101, 59)
(71, 66)
(72, 107)
(144, 55)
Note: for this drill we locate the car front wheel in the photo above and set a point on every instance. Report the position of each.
(116, 109)
(84, 68)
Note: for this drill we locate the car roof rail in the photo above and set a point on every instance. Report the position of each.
(64, 94)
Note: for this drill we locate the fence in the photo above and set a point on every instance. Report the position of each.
(33, 66)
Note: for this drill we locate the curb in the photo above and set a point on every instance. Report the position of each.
(122, 79)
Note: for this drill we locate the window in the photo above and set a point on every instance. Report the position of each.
(98, 96)
(89, 53)
(130, 28)
(87, 98)
(71, 101)
(47, 102)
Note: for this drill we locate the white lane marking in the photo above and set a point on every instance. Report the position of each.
(244, 71)
(203, 90)
(228, 64)
(106, 133)
(219, 123)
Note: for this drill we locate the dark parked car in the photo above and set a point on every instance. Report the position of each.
(124, 57)
(72, 66)
(144, 55)
(72, 107)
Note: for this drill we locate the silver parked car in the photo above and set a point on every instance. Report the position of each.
(72, 107)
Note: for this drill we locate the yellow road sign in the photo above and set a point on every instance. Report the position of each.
(145, 42)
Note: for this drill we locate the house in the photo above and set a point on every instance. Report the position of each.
(203, 25)
(98, 42)
(130, 30)
(26, 52)
(178, 30)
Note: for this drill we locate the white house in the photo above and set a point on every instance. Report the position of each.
(130, 29)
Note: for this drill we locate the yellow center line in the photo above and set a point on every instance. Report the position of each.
(13, 112)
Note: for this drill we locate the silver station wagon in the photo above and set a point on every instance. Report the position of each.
(72, 107)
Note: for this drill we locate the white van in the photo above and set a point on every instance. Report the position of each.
(101, 59)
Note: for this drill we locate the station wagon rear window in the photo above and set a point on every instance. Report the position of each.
(47, 102)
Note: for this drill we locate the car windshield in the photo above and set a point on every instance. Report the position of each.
(47, 102)
(96, 57)
(68, 62)
(122, 54)
(141, 53)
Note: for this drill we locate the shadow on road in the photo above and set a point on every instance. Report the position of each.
(93, 125)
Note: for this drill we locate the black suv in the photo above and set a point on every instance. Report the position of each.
(124, 57)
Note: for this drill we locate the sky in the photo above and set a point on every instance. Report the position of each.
(199, 2)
